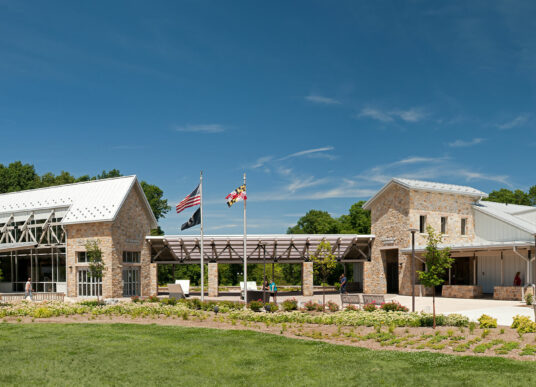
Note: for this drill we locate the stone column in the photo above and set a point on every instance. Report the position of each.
(212, 279)
(153, 280)
(307, 279)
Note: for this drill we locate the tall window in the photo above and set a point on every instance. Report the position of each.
(131, 256)
(131, 282)
(443, 225)
(88, 286)
(81, 257)
(422, 224)
(464, 226)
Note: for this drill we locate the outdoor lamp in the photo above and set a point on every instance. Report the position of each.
(413, 231)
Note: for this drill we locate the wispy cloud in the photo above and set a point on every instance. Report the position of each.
(517, 121)
(261, 161)
(464, 144)
(201, 128)
(299, 183)
(307, 152)
(315, 98)
(412, 115)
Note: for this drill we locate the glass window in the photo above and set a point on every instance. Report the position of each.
(443, 225)
(422, 224)
(131, 282)
(464, 226)
(88, 286)
(131, 256)
(81, 257)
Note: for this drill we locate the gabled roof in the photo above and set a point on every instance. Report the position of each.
(420, 185)
(507, 213)
(85, 202)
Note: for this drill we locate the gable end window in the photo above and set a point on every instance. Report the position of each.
(422, 224)
(131, 256)
(81, 257)
(443, 225)
(464, 226)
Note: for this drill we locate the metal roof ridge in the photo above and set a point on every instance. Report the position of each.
(507, 218)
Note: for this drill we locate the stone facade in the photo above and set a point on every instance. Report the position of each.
(307, 278)
(126, 233)
(212, 279)
(514, 293)
(394, 213)
(461, 291)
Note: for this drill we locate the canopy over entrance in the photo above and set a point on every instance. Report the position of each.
(283, 248)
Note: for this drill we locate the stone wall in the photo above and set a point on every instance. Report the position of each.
(126, 233)
(461, 291)
(514, 293)
(307, 279)
(435, 205)
(390, 225)
(212, 279)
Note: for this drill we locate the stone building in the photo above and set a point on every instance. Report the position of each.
(489, 241)
(43, 235)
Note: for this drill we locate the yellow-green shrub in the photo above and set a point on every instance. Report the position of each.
(487, 321)
(524, 324)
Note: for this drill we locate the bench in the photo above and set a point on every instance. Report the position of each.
(351, 299)
(373, 298)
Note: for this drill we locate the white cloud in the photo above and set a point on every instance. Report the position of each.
(222, 226)
(261, 161)
(464, 144)
(411, 115)
(299, 183)
(518, 121)
(314, 98)
(307, 152)
(202, 128)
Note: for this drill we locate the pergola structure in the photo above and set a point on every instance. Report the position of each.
(282, 248)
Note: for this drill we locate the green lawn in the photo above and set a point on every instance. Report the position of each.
(97, 354)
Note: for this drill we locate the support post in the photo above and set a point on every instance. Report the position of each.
(307, 279)
(502, 269)
(474, 268)
(213, 279)
(413, 231)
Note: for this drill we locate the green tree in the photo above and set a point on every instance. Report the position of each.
(357, 221)
(18, 177)
(315, 222)
(511, 197)
(437, 262)
(96, 266)
(154, 195)
(108, 174)
(324, 262)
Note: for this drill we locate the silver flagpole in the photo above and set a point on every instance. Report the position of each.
(245, 251)
(201, 214)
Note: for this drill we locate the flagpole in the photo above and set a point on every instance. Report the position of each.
(245, 251)
(201, 249)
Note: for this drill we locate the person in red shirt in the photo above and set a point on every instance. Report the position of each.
(517, 279)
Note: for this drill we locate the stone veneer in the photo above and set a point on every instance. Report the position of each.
(514, 293)
(126, 233)
(307, 279)
(461, 291)
(395, 212)
(212, 279)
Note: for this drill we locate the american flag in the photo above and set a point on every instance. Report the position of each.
(236, 195)
(194, 199)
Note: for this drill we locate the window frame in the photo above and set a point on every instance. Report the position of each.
(131, 257)
(422, 224)
(444, 225)
(81, 253)
(463, 226)
(88, 286)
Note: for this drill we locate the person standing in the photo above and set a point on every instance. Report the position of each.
(28, 289)
(343, 281)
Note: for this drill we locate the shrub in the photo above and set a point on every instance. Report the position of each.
(332, 306)
(153, 299)
(393, 306)
(290, 304)
(529, 298)
(524, 324)
(310, 306)
(42, 312)
(487, 321)
(92, 303)
(135, 299)
(351, 307)
(271, 307)
(255, 305)
(371, 307)
(169, 301)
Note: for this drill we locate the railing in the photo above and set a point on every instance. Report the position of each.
(36, 296)
(43, 286)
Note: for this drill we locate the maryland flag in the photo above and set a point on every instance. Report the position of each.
(236, 195)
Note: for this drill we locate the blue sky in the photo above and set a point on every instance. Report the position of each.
(319, 102)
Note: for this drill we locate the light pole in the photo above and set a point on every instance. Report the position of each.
(413, 231)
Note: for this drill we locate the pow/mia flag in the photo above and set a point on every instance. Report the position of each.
(193, 221)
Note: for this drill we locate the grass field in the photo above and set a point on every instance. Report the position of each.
(116, 354)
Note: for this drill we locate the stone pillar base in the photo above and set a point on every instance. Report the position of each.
(212, 279)
(307, 279)
(461, 291)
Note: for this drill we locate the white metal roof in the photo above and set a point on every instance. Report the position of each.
(428, 186)
(479, 245)
(507, 213)
(87, 202)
